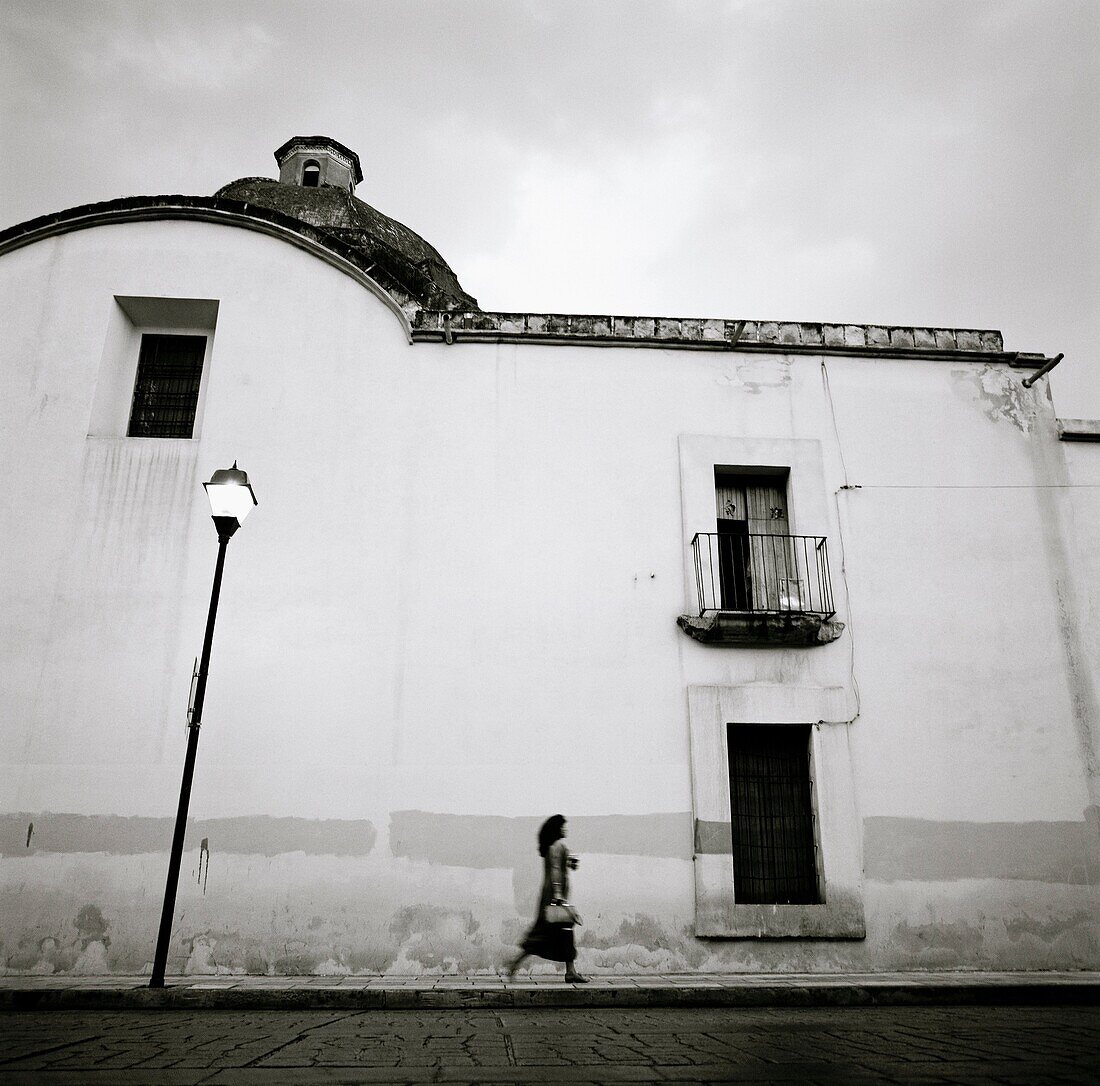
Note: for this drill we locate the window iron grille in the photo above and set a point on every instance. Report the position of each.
(166, 392)
(772, 815)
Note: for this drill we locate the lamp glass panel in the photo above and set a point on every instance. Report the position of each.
(230, 500)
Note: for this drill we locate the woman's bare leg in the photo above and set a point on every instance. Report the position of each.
(516, 964)
(572, 976)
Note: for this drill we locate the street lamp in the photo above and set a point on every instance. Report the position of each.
(231, 500)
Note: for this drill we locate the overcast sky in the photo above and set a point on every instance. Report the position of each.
(910, 162)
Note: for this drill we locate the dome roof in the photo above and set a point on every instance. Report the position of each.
(402, 255)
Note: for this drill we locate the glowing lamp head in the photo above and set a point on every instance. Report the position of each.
(230, 494)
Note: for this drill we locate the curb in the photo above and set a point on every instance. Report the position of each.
(472, 998)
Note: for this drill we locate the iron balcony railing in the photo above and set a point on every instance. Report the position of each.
(768, 574)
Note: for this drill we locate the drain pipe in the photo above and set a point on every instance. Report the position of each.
(1048, 365)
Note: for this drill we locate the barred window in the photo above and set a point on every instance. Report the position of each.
(772, 814)
(166, 392)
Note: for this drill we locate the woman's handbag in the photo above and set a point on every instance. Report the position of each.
(563, 915)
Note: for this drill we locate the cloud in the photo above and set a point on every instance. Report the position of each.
(129, 49)
(841, 258)
(182, 58)
(581, 229)
(186, 58)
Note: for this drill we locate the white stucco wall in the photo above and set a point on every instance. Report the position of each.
(458, 596)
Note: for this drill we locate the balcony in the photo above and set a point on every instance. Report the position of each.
(762, 590)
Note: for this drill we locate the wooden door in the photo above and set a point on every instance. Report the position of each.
(754, 559)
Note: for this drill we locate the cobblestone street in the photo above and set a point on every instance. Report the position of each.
(850, 1045)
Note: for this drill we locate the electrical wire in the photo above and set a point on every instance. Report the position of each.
(847, 609)
(973, 486)
(843, 552)
(832, 414)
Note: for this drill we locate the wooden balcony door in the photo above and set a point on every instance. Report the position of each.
(753, 572)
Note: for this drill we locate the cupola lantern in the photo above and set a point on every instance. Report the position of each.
(312, 161)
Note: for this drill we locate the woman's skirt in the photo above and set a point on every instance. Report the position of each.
(551, 941)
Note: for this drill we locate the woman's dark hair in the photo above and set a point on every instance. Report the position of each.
(549, 832)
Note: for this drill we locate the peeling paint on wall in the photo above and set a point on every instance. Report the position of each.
(259, 834)
(331, 915)
(897, 849)
(1000, 393)
(759, 374)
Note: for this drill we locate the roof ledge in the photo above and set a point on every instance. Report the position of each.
(708, 334)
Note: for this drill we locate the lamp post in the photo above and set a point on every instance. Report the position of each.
(231, 500)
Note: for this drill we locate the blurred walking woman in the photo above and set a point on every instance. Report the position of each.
(546, 940)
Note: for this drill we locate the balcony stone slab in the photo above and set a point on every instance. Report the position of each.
(756, 630)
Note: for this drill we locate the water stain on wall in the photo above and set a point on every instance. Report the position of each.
(1052, 496)
(439, 938)
(90, 924)
(91, 927)
(256, 834)
(1055, 940)
(1049, 929)
(642, 942)
(938, 945)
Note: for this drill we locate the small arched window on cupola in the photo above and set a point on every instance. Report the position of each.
(311, 175)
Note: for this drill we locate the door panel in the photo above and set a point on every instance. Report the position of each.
(734, 565)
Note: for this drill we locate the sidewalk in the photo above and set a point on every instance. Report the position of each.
(545, 990)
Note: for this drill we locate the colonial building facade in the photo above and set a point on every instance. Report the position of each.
(796, 623)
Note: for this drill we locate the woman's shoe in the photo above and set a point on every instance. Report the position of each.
(575, 978)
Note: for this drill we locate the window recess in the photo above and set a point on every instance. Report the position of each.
(166, 391)
(155, 368)
(772, 817)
